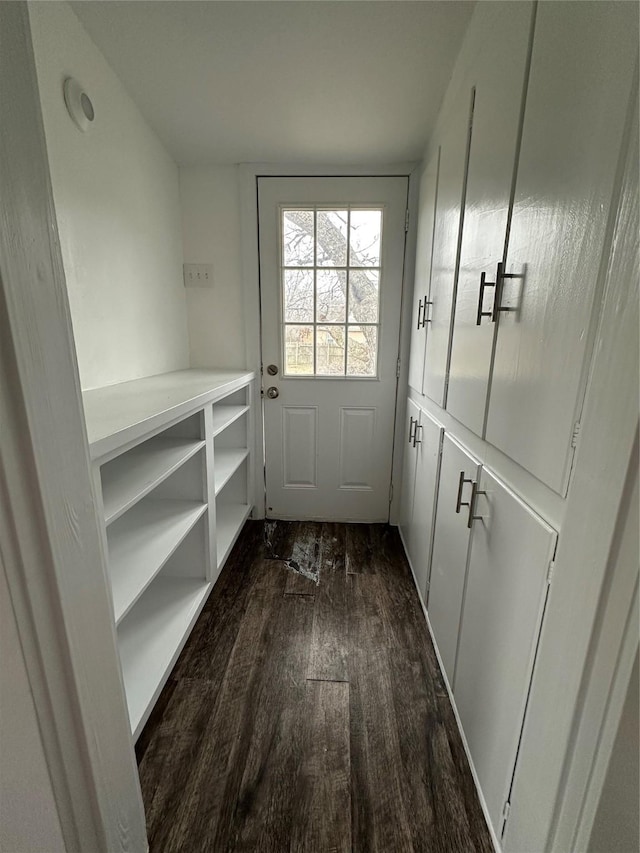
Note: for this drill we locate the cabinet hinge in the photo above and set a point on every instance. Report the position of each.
(576, 434)
(550, 570)
(406, 220)
(398, 369)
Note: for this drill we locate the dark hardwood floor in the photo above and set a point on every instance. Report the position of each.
(309, 716)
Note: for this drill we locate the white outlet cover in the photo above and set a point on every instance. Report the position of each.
(198, 275)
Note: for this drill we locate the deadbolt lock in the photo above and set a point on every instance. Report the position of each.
(272, 369)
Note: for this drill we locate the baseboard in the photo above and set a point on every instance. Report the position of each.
(476, 781)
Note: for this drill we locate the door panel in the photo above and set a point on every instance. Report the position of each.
(505, 593)
(450, 549)
(428, 439)
(331, 260)
(453, 156)
(422, 282)
(582, 67)
(408, 478)
(504, 30)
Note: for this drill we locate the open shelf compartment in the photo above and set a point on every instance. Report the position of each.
(233, 406)
(151, 638)
(232, 510)
(130, 477)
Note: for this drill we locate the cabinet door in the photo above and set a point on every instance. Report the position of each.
(506, 589)
(582, 67)
(504, 31)
(453, 159)
(458, 470)
(408, 475)
(428, 439)
(422, 283)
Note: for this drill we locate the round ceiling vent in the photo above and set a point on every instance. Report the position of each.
(78, 104)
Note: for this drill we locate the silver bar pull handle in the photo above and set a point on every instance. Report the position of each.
(417, 440)
(475, 491)
(461, 482)
(480, 313)
(426, 319)
(412, 424)
(421, 309)
(501, 275)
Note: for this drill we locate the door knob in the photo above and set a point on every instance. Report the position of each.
(272, 392)
(272, 369)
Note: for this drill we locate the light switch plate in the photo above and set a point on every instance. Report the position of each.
(198, 275)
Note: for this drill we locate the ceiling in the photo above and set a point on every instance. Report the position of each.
(283, 82)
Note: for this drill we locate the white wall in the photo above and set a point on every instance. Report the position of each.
(118, 207)
(28, 814)
(211, 234)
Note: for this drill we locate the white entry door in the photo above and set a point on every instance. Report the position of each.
(331, 261)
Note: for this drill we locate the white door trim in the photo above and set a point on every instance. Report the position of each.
(51, 546)
(248, 174)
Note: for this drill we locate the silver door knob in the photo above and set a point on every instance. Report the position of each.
(272, 369)
(272, 392)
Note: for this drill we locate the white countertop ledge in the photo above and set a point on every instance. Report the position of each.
(118, 415)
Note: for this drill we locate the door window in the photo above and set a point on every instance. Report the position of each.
(330, 277)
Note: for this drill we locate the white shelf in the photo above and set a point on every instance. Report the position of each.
(226, 462)
(130, 477)
(141, 542)
(151, 638)
(223, 416)
(123, 413)
(229, 521)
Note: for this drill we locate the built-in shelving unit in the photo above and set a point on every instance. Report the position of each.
(172, 466)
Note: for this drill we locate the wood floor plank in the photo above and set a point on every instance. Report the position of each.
(323, 803)
(298, 584)
(195, 823)
(329, 646)
(260, 801)
(379, 820)
(359, 549)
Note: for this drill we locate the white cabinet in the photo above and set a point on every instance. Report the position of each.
(408, 476)
(171, 465)
(449, 206)
(511, 551)
(428, 439)
(504, 31)
(422, 286)
(582, 67)
(419, 489)
(458, 471)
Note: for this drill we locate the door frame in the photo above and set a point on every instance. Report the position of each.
(248, 174)
(52, 552)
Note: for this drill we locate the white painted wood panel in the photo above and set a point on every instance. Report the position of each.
(582, 69)
(408, 479)
(357, 447)
(141, 542)
(505, 594)
(151, 638)
(422, 279)
(504, 31)
(449, 209)
(450, 549)
(299, 446)
(128, 478)
(428, 443)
